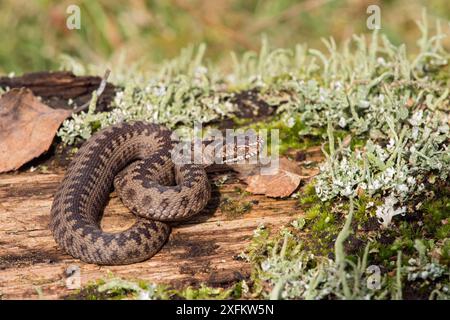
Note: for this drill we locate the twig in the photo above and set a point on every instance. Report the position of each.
(99, 92)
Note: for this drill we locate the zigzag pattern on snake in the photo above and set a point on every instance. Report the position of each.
(152, 187)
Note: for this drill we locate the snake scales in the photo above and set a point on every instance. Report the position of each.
(135, 158)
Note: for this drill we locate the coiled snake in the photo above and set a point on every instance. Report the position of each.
(136, 159)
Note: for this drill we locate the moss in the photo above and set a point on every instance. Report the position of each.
(313, 212)
(430, 227)
(90, 292)
(119, 289)
(322, 226)
(43, 169)
(297, 137)
(445, 258)
(437, 217)
(259, 245)
(234, 208)
(357, 142)
(323, 221)
(308, 196)
(365, 208)
(238, 190)
(427, 225)
(204, 292)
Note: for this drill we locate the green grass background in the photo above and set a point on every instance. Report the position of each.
(33, 34)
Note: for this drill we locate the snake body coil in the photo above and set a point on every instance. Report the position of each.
(135, 157)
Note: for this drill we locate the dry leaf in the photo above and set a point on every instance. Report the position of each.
(27, 127)
(281, 183)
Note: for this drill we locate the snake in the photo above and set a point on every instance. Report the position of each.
(135, 159)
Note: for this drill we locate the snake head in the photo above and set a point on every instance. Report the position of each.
(238, 148)
(231, 149)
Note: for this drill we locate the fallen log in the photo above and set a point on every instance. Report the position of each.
(202, 250)
(57, 88)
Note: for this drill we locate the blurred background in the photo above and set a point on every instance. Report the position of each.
(33, 34)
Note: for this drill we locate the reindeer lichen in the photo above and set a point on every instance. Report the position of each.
(381, 115)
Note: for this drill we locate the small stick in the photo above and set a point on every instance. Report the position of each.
(100, 90)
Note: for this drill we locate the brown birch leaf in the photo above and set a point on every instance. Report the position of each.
(276, 182)
(27, 128)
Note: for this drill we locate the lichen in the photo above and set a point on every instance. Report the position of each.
(116, 288)
(380, 199)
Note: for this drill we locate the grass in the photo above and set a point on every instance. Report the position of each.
(35, 36)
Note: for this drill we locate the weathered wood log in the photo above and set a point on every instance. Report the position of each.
(201, 250)
(57, 88)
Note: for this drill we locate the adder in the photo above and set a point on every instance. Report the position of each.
(135, 159)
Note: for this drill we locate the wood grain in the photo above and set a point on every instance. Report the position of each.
(201, 250)
(57, 88)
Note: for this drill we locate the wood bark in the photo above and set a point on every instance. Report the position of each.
(203, 249)
(57, 88)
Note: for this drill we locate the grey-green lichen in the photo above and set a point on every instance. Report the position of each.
(116, 288)
(293, 271)
(395, 168)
